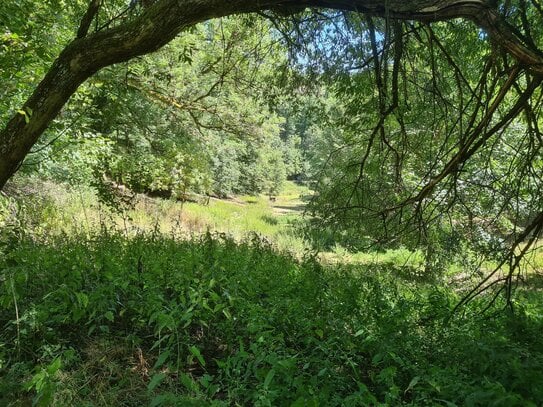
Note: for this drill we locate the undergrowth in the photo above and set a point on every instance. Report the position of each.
(103, 319)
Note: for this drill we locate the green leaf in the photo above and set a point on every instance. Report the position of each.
(82, 299)
(54, 366)
(109, 316)
(161, 359)
(155, 381)
(196, 352)
(25, 115)
(269, 377)
(187, 381)
(412, 383)
(376, 359)
(359, 332)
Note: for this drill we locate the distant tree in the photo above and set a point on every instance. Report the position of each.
(160, 124)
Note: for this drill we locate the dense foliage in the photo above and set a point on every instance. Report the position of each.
(417, 159)
(191, 119)
(415, 137)
(106, 320)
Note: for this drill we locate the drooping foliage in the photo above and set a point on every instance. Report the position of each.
(425, 143)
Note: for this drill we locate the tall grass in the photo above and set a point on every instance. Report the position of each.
(70, 209)
(106, 319)
(147, 307)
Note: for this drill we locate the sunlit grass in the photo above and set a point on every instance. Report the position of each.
(74, 209)
(54, 207)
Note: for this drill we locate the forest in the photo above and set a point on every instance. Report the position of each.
(271, 203)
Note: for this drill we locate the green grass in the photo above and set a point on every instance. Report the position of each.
(149, 308)
(54, 208)
(106, 319)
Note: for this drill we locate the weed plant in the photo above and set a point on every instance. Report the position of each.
(104, 319)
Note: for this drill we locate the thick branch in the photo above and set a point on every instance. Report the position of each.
(162, 21)
(86, 21)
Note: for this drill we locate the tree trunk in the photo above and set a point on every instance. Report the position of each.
(162, 21)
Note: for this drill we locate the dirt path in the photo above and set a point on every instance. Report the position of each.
(288, 209)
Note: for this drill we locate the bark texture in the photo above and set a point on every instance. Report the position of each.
(162, 21)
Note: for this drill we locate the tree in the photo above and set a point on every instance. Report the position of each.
(161, 22)
(177, 122)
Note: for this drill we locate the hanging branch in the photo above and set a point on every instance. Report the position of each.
(475, 141)
(532, 231)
